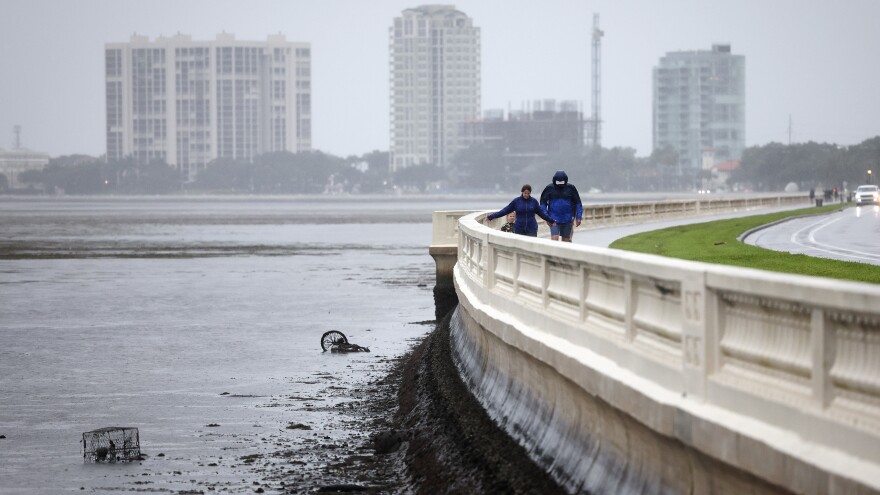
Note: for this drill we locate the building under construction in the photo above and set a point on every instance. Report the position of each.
(530, 135)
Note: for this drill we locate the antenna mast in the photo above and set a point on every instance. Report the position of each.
(789, 129)
(596, 118)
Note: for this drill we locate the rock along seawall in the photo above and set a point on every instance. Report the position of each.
(451, 444)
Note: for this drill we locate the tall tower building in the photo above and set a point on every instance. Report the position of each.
(188, 102)
(435, 84)
(699, 107)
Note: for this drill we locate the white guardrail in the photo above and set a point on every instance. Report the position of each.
(798, 356)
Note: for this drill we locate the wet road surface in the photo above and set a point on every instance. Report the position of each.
(852, 234)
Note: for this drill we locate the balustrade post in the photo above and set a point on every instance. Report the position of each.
(515, 273)
(713, 332)
(629, 307)
(823, 357)
(490, 265)
(545, 282)
(582, 291)
(695, 334)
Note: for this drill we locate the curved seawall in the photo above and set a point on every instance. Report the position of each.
(624, 372)
(586, 445)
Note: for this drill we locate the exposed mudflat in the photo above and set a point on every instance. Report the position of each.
(427, 434)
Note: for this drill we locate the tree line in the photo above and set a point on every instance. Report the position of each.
(479, 168)
(810, 165)
(271, 173)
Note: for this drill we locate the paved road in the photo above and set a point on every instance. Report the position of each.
(849, 235)
(604, 236)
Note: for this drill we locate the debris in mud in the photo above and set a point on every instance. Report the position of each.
(336, 341)
(346, 347)
(298, 426)
(111, 444)
(212, 425)
(342, 488)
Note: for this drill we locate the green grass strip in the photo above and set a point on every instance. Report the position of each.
(715, 242)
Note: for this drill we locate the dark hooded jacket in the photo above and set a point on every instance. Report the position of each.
(561, 200)
(525, 209)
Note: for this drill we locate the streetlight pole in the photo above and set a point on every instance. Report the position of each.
(870, 177)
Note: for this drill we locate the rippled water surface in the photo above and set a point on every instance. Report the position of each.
(172, 315)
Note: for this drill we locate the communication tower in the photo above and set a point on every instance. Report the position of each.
(596, 103)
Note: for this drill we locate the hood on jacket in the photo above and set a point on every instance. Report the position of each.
(559, 178)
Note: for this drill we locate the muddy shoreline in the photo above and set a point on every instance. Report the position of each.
(423, 432)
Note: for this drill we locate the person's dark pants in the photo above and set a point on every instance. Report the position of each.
(563, 230)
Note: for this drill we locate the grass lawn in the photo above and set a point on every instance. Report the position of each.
(715, 242)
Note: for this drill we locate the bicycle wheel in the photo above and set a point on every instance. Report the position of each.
(332, 337)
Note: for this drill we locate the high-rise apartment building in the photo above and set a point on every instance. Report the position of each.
(699, 107)
(435, 84)
(188, 102)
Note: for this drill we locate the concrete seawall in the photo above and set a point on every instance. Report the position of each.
(586, 445)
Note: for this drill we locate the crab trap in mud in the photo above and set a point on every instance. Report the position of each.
(112, 444)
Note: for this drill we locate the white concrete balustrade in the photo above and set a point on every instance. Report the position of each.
(772, 374)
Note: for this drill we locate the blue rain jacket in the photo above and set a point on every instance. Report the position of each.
(561, 200)
(525, 209)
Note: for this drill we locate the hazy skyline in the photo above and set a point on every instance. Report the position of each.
(814, 60)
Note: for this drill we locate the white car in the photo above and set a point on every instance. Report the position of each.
(867, 195)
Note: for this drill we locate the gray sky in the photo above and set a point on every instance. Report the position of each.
(818, 61)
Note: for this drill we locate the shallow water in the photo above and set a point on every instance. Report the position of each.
(170, 316)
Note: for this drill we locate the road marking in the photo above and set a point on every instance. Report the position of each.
(833, 250)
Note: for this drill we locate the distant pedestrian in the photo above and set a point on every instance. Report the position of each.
(562, 202)
(812, 195)
(525, 207)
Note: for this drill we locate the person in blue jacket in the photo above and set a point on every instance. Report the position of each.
(526, 207)
(561, 201)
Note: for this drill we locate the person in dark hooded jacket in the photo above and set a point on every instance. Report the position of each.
(562, 203)
(526, 207)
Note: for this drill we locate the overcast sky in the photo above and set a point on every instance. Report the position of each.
(817, 61)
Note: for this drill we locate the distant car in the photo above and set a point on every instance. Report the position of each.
(867, 195)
